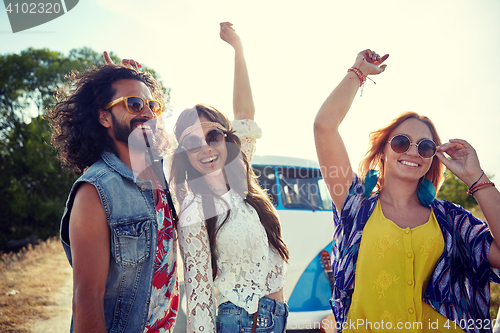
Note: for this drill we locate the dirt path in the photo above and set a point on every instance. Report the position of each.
(34, 287)
(61, 307)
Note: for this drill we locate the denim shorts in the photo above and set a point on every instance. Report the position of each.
(271, 318)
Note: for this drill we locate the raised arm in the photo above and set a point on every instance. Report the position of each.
(465, 165)
(243, 106)
(332, 154)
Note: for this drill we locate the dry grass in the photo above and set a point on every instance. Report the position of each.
(36, 273)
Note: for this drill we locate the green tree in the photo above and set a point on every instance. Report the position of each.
(455, 190)
(33, 184)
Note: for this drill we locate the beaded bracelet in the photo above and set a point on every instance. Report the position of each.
(359, 74)
(362, 77)
(478, 187)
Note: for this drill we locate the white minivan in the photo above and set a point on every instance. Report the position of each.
(301, 198)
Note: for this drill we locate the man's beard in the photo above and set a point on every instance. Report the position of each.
(134, 138)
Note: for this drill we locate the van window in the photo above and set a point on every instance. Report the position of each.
(267, 180)
(303, 188)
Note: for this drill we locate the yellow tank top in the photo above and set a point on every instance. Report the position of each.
(392, 272)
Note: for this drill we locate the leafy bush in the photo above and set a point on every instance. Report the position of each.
(455, 190)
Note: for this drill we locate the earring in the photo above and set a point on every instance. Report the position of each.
(426, 192)
(371, 180)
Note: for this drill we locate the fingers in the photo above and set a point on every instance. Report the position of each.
(372, 58)
(454, 145)
(450, 147)
(224, 25)
(381, 60)
(459, 149)
(223, 30)
(462, 142)
(443, 159)
(107, 58)
(463, 162)
(135, 64)
(131, 63)
(229, 35)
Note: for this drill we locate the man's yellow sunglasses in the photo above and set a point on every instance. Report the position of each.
(135, 105)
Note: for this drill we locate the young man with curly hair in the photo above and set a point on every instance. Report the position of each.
(118, 228)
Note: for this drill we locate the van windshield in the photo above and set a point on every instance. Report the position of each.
(303, 188)
(299, 188)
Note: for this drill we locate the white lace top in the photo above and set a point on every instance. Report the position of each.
(248, 268)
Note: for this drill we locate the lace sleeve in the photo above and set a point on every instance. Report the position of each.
(198, 282)
(248, 131)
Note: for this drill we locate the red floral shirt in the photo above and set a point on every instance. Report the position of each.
(165, 290)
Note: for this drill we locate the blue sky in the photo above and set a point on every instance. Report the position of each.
(443, 60)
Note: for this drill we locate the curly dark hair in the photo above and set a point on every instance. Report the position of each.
(243, 179)
(77, 134)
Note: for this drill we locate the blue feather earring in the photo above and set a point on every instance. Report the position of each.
(426, 192)
(371, 180)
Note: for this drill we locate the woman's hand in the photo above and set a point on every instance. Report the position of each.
(370, 63)
(464, 162)
(229, 35)
(129, 63)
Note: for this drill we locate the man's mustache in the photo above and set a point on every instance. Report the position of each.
(135, 120)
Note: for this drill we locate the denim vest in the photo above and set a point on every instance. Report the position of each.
(130, 211)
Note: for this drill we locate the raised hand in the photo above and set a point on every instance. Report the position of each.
(129, 63)
(370, 62)
(464, 162)
(229, 35)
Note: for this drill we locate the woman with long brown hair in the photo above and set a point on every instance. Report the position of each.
(403, 259)
(229, 232)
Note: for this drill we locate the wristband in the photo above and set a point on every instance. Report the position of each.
(478, 187)
(362, 77)
(473, 184)
(359, 74)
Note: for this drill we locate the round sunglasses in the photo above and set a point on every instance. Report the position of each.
(193, 143)
(135, 105)
(401, 143)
